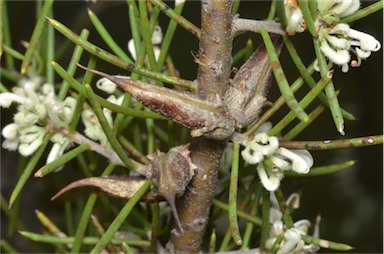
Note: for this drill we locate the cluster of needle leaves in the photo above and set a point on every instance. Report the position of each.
(98, 222)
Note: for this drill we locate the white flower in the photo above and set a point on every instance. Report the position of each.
(263, 147)
(11, 134)
(300, 161)
(292, 241)
(106, 85)
(10, 131)
(295, 20)
(157, 39)
(269, 179)
(38, 107)
(30, 139)
(338, 41)
(114, 100)
(331, 11)
(61, 143)
(6, 99)
(157, 36)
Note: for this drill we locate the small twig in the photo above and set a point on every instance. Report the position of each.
(96, 147)
(241, 25)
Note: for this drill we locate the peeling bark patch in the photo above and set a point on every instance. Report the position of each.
(216, 40)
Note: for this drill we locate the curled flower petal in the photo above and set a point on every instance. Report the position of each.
(270, 182)
(355, 6)
(338, 43)
(367, 41)
(114, 100)
(330, 11)
(6, 99)
(280, 162)
(25, 119)
(277, 228)
(157, 36)
(48, 90)
(302, 226)
(295, 22)
(11, 144)
(132, 49)
(10, 131)
(251, 156)
(307, 156)
(27, 149)
(336, 56)
(57, 150)
(362, 54)
(299, 164)
(106, 85)
(291, 240)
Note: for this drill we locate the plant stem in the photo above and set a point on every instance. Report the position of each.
(214, 70)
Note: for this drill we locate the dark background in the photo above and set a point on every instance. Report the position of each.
(350, 202)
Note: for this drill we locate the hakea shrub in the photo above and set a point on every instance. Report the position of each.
(217, 108)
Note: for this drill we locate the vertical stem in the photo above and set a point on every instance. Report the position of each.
(193, 207)
(215, 63)
(215, 48)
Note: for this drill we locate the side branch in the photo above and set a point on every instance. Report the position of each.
(333, 144)
(241, 25)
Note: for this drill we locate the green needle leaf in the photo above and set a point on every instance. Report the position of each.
(107, 129)
(86, 240)
(326, 244)
(303, 4)
(112, 59)
(177, 17)
(330, 90)
(307, 75)
(120, 218)
(107, 37)
(62, 160)
(311, 95)
(35, 36)
(233, 195)
(281, 79)
(103, 102)
(77, 52)
(265, 218)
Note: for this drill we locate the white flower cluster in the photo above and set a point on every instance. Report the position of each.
(263, 147)
(292, 242)
(337, 40)
(39, 111)
(38, 107)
